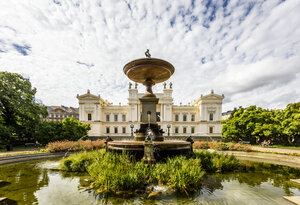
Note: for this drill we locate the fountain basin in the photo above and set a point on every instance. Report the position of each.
(163, 149)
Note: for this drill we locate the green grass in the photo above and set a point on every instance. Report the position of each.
(112, 173)
(17, 148)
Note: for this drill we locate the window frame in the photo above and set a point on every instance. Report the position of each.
(89, 116)
(176, 130)
(211, 116)
(192, 130)
(193, 117)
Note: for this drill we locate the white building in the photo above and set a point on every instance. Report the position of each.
(201, 119)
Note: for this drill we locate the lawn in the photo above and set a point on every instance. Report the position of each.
(280, 147)
(17, 148)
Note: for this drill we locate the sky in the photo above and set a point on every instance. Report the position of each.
(246, 50)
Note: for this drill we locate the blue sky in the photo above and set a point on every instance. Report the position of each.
(246, 50)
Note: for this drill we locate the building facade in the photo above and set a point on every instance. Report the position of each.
(200, 119)
(58, 113)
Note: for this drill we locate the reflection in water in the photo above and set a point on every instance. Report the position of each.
(38, 182)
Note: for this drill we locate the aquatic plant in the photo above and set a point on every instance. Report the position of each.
(112, 172)
(180, 173)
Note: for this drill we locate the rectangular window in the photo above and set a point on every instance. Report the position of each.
(176, 118)
(116, 118)
(107, 118)
(211, 116)
(184, 130)
(184, 117)
(89, 117)
(107, 129)
(176, 129)
(123, 130)
(123, 118)
(193, 130)
(116, 129)
(211, 129)
(193, 118)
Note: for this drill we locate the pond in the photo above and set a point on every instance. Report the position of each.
(38, 182)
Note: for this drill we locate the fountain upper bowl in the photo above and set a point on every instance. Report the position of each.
(153, 69)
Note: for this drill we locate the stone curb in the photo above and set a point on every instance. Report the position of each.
(27, 157)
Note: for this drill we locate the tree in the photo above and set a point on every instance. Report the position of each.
(68, 129)
(291, 122)
(254, 123)
(19, 114)
(48, 131)
(73, 129)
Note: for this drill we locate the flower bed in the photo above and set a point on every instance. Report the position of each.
(79, 145)
(222, 146)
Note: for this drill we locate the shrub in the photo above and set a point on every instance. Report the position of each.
(74, 145)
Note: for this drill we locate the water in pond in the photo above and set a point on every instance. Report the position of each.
(37, 182)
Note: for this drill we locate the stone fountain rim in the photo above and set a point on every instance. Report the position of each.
(149, 61)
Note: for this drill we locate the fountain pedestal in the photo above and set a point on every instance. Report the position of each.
(149, 153)
(149, 120)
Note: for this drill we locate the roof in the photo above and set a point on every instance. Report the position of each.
(211, 96)
(52, 109)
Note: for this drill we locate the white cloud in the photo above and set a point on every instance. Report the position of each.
(67, 47)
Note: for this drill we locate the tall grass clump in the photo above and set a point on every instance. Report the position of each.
(111, 172)
(79, 162)
(117, 172)
(214, 162)
(180, 173)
